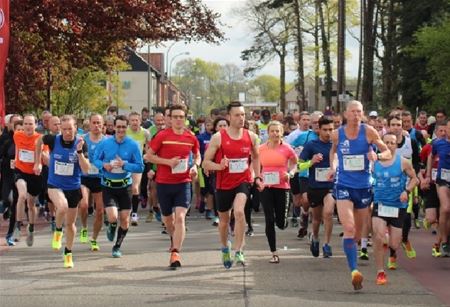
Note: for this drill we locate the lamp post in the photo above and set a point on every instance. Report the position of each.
(171, 61)
(167, 59)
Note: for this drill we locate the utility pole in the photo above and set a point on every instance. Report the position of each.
(341, 56)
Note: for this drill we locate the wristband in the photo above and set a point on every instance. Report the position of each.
(258, 178)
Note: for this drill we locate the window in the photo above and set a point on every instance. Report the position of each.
(126, 85)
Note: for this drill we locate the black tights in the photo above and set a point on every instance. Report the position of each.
(276, 208)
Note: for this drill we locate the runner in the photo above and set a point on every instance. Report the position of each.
(207, 198)
(353, 185)
(117, 157)
(68, 158)
(28, 184)
(228, 153)
(279, 163)
(319, 188)
(390, 203)
(91, 183)
(170, 150)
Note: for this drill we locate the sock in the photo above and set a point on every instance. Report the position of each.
(392, 252)
(67, 251)
(156, 209)
(135, 203)
(31, 227)
(120, 236)
(349, 246)
(58, 229)
(53, 218)
(364, 243)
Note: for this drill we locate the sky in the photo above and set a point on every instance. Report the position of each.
(238, 38)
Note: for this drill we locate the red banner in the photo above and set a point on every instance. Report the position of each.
(4, 48)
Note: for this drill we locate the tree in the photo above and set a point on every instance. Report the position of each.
(79, 34)
(268, 87)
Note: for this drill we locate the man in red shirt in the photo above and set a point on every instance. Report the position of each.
(170, 149)
(422, 121)
(229, 154)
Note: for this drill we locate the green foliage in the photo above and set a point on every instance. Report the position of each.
(269, 87)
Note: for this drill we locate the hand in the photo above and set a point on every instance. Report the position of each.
(193, 172)
(331, 174)
(372, 156)
(259, 185)
(119, 162)
(108, 167)
(37, 169)
(224, 162)
(317, 158)
(425, 184)
(404, 197)
(150, 174)
(80, 145)
(174, 161)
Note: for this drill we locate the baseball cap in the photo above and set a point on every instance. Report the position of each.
(373, 114)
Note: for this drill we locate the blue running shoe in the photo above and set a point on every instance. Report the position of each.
(326, 249)
(158, 216)
(10, 241)
(226, 257)
(315, 248)
(116, 253)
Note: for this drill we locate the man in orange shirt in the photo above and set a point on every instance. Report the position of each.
(28, 184)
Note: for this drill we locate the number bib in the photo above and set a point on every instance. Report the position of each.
(181, 167)
(445, 174)
(354, 163)
(387, 211)
(237, 165)
(26, 156)
(64, 169)
(93, 170)
(433, 174)
(116, 170)
(271, 178)
(321, 174)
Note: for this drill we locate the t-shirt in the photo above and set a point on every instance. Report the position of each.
(274, 162)
(25, 146)
(441, 148)
(318, 172)
(167, 144)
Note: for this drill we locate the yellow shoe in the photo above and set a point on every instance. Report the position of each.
(357, 279)
(409, 250)
(436, 251)
(94, 246)
(392, 263)
(84, 235)
(57, 240)
(426, 224)
(68, 262)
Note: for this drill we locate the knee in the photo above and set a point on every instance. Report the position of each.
(239, 214)
(179, 219)
(349, 229)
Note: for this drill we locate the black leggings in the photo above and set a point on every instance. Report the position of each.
(276, 208)
(251, 204)
(406, 227)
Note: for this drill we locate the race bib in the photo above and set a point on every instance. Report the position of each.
(354, 163)
(181, 167)
(433, 174)
(93, 170)
(445, 174)
(116, 170)
(387, 211)
(298, 150)
(64, 169)
(271, 178)
(322, 173)
(237, 165)
(26, 156)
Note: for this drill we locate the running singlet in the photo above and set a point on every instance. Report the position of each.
(64, 168)
(274, 162)
(406, 150)
(318, 172)
(299, 143)
(238, 154)
(167, 145)
(441, 148)
(203, 140)
(25, 146)
(138, 136)
(390, 182)
(353, 171)
(93, 170)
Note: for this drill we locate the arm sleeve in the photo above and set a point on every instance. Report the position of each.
(98, 156)
(136, 165)
(49, 140)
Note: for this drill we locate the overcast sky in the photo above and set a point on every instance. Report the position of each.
(238, 38)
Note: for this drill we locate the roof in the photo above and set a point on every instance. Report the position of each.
(138, 63)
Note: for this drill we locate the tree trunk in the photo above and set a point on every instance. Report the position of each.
(283, 79)
(367, 83)
(317, 59)
(361, 43)
(341, 54)
(326, 58)
(300, 70)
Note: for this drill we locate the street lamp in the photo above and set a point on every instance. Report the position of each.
(171, 61)
(167, 59)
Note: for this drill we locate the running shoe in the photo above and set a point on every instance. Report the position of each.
(302, 232)
(409, 250)
(392, 263)
(116, 253)
(164, 231)
(111, 232)
(209, 215)
(134, 219)
(57, 240)
(158, 216)
(175, 260)
(294, 222)
(84, 235)
(226, 257)
(327, 252)
(426, 224)
(30, 237)
(381, 278)
(10, 241)
(357, 279)
(149, 218)
(445, 250)
(363, 254)
(315, 248)
(68, 262)
(215, 221)
(94, 246)
(436, 251)
(239, 258)
(417, 223)
(249, 233)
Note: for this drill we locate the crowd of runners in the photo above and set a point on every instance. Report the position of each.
(375, 174)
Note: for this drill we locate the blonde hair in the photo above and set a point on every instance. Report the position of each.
(275, 123)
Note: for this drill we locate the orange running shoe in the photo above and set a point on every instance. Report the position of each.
(381, 278)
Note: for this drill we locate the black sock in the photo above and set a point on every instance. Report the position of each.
(305, 220)
(53, 218)
(67, 251)
(364, 250)
(135, 203)
(156, 209)
(58, 229)
(392, 252)
(31, 227)
(120, 236)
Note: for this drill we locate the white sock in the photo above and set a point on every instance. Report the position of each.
(364, 242)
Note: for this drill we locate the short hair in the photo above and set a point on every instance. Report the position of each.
(442, 123)
(388, 133)
(423, 113)
(441, 111)
(145, 109)
(17, 123)
(217, 120)
(394, 116)
(406, 113)
(354, 102)
(134, 113)
(181, 107)
(30, 115)
(109, 118)
(95, 114)
(120, 117)
(214, 111)
(111, 109)
(325, 120)
(234, 104)
(68, 117)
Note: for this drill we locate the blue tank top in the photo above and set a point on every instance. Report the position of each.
(353, 170)
(390, 182)
(93, 171)
(64, 169)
